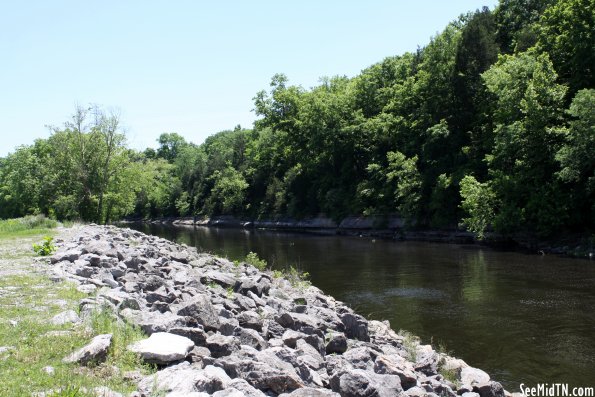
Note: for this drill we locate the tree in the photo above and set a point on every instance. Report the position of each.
(479, 202)
(577, 160)
(529, 104)
(567, 34)
(170, 145)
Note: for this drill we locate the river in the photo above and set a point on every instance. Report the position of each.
(522, 318)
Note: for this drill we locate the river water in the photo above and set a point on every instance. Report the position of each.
(522, 318)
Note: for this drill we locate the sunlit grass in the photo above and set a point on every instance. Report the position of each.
(27, 303)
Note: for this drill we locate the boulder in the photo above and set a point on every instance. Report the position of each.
(489, 389)
(184, 380)
(396, 365)
(472, 376)
(163, 348)
(94, 352)
(195, 334)
(66, 317)
(221, 345)
(201, 310)
(263, 370)
(337, 343)
(151, 322)
(311, 392)
(357, 383)
(356, 327)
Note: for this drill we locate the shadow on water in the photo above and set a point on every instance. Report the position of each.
(522, 318)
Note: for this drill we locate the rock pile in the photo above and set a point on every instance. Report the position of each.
(216, 328)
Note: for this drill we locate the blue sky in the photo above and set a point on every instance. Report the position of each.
(190, 67)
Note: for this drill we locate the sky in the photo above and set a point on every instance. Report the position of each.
(191, 67)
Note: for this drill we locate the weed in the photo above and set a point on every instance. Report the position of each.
(253, 259)
(46, 248)
(297, 278)
(229, 292)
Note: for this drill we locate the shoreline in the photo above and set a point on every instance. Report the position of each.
(250, 330)
(575, 246)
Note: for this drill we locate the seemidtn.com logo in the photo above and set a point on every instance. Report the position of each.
(556, 390)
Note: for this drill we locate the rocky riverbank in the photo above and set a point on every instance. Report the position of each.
(218, 328)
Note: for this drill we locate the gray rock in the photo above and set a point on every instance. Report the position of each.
(195, 334)
(262, 375)
(183, 380)
(360, 357)
(357, 383)
(100, 247)
(231, 392)
(224, 280)
(470, 394)
(416, 391)
(246, 388)
(151, 322)
(221, 345)
(179, 256)
(163, 348)
(252, 338)
(121, 299)
(290, 337)
(489, 389)
(396, 365)
(355, 326)
(94, 352)
(69, 256)
(250, 319)
(86, 288)
(201, 310)
(66, 317)
(337, 344)
(311, 392)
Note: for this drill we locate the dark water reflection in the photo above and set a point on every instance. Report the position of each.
(522, 318)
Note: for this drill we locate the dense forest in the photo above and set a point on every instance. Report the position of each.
(490, 126)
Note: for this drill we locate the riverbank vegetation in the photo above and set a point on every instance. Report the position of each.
(35, 333)
(28, 225)
(490, 126)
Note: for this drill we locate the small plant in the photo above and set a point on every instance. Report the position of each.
(410, 343)
(277, 274)
(297, 278)
(253, 259)
(229, 292)
(46, 247)
(212, 285)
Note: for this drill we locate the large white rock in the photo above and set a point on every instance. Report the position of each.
(69, 316)
(472, 376)
(163, 348)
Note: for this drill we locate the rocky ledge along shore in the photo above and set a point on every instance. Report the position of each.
(217, 328)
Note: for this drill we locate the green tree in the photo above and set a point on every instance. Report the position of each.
(529, 104)
(577, 160)
(567, 34)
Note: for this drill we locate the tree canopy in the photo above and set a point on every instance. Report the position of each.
(489, 126)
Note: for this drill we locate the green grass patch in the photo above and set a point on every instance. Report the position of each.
(26, 226)
(27, 303)
(410, 343)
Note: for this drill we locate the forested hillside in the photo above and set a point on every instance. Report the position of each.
(491, 125)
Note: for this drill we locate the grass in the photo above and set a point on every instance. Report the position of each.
(28, 300)
(410, 343)
(26, 226)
